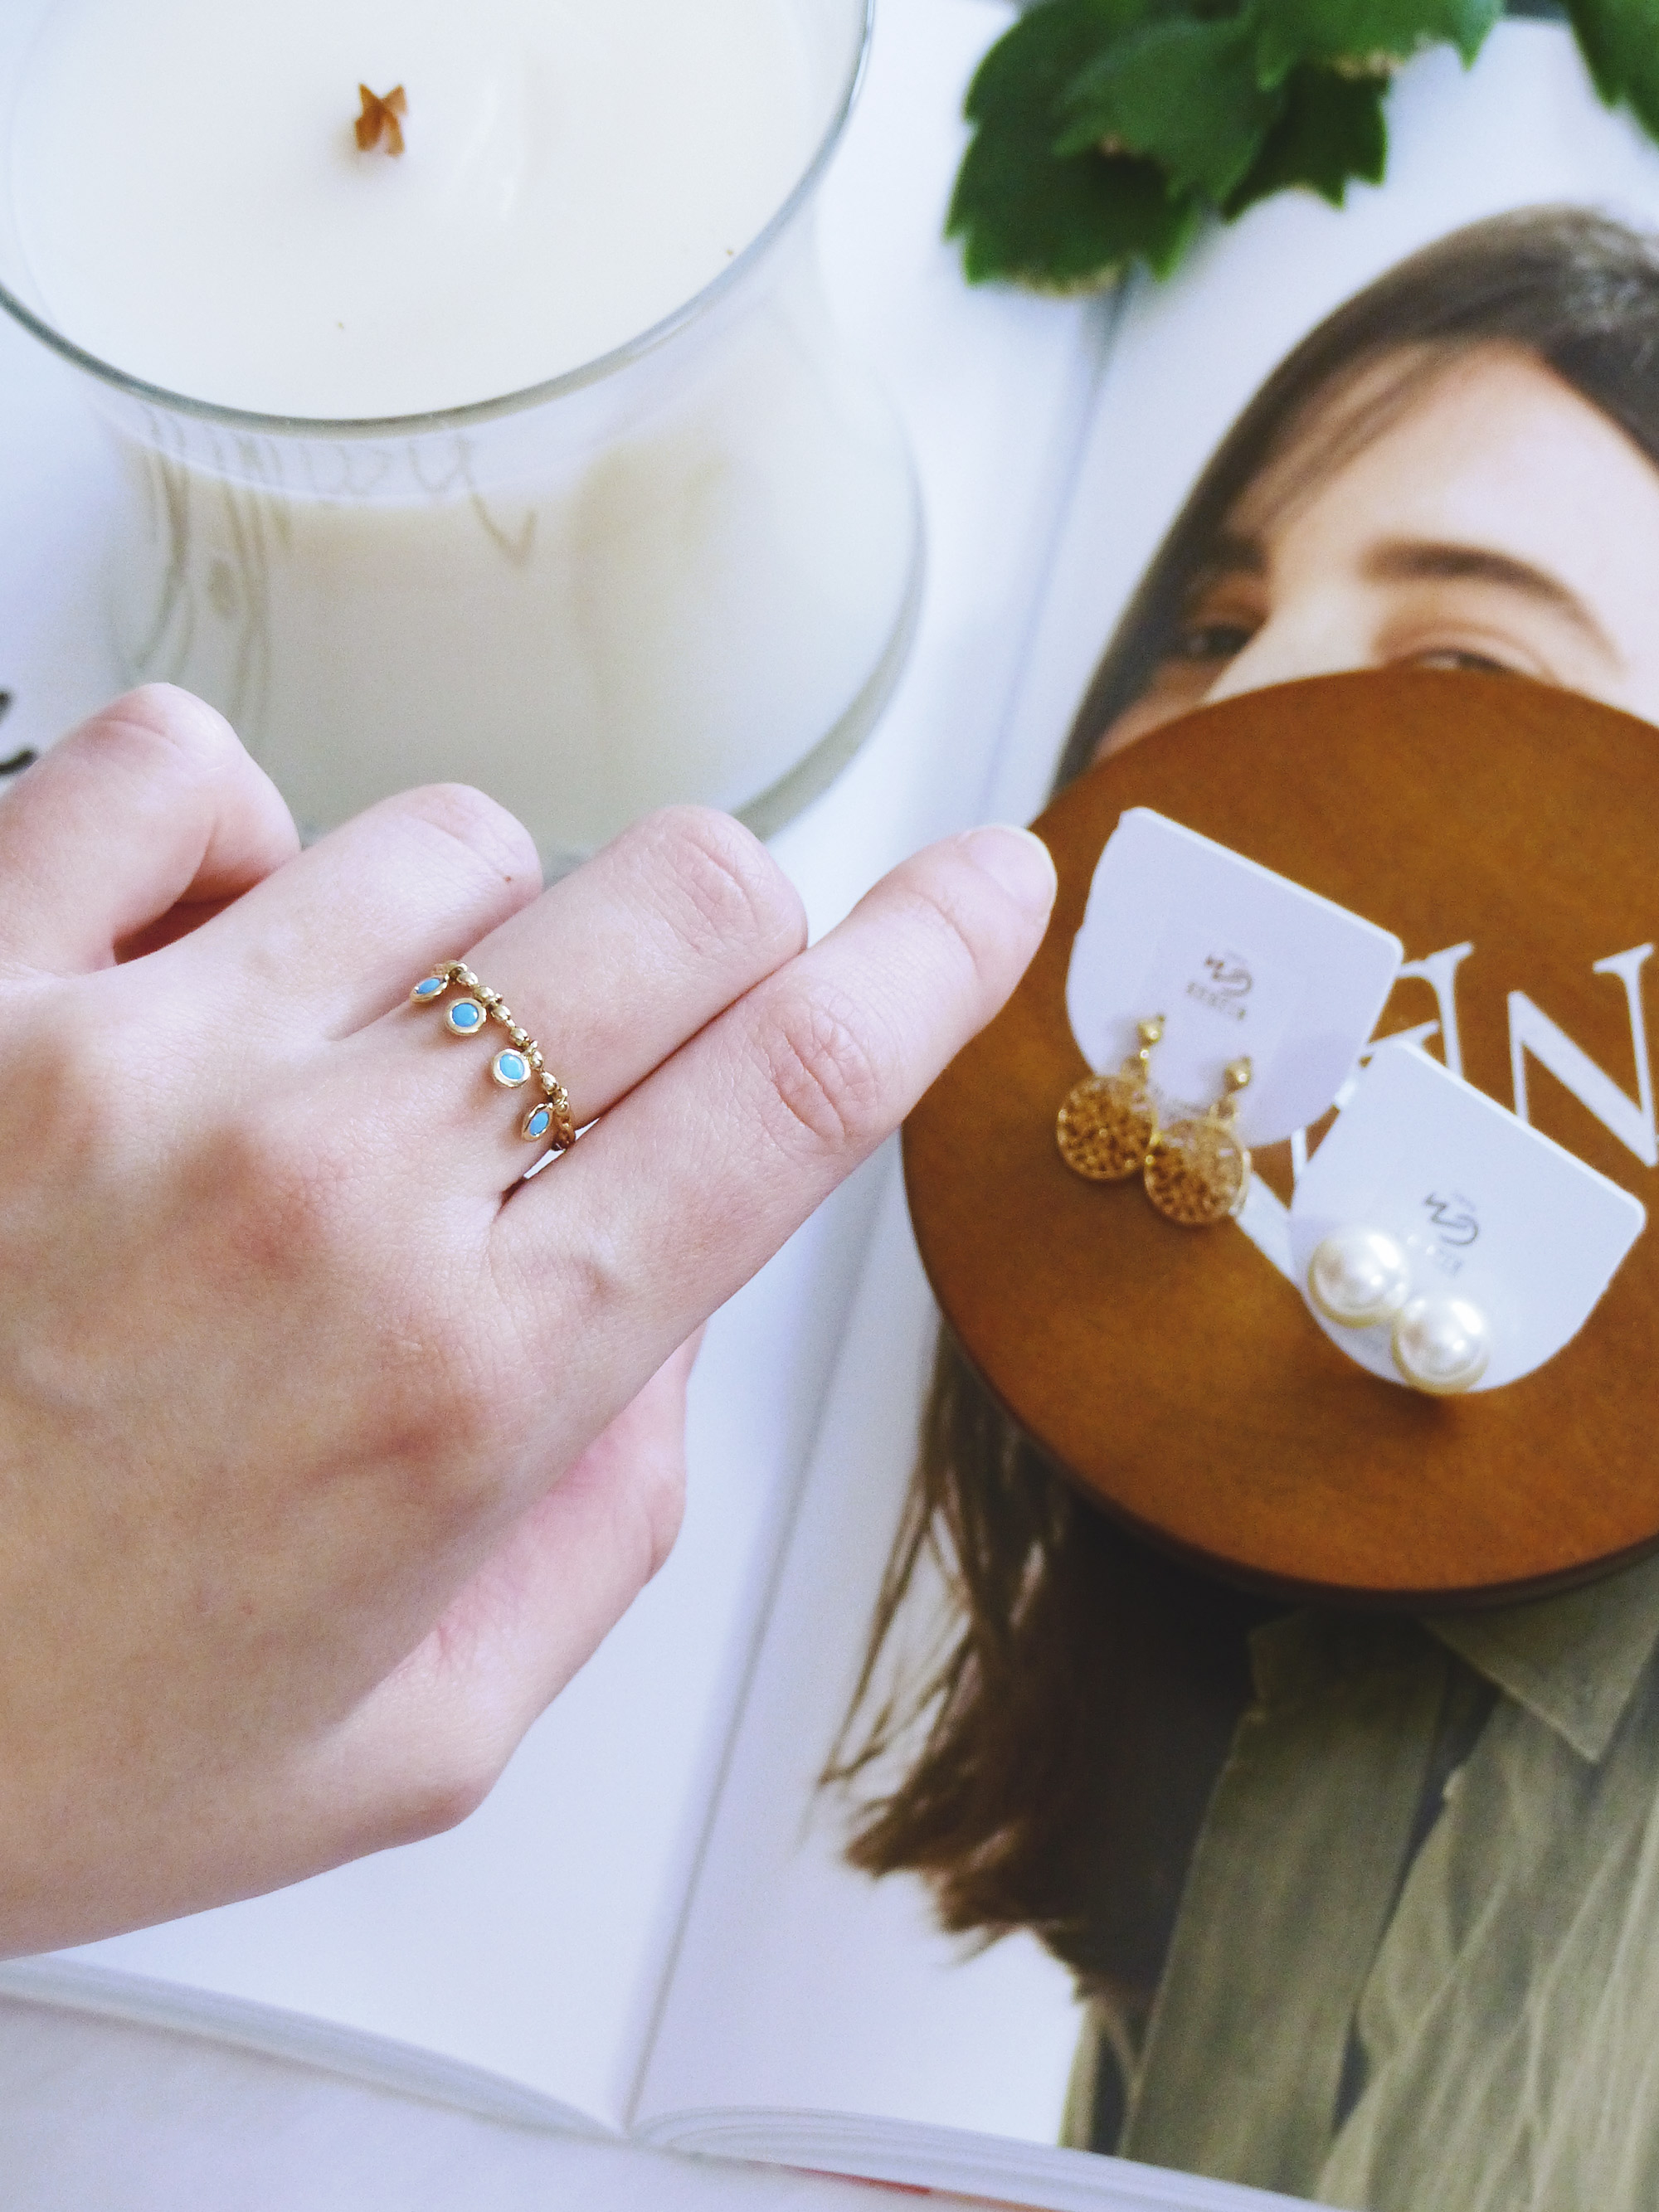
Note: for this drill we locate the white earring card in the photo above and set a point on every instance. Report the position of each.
(1239, 961)
(1485, 1208)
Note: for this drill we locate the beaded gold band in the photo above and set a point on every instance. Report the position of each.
(468, 1014)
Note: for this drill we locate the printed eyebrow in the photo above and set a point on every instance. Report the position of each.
(1410, 560)
(1229, 555)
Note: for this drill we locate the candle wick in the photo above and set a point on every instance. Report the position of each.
(377, 124)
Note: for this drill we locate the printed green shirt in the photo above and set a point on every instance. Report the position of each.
(1416, 1965)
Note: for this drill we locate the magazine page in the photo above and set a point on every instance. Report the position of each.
(515, 1964)
(1032, 1830)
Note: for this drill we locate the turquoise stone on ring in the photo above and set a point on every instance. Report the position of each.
(466, 1017)
(510, 1068)
(428, 988)
(536, 1122)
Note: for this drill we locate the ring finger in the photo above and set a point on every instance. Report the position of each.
(609, 973)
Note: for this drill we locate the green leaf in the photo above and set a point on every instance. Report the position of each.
(1031, 65)
(1331, 131)
(1062, 226)
(1620, 42)
(1183, 93)
(1293, 31)
(1026, 214)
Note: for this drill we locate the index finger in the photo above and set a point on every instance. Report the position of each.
(688, 1187)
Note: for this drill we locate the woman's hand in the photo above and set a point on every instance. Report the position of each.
(328, 1449)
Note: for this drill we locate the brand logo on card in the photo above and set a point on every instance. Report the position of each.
(1453, 1218)
(1455, 1223)
(1227, 983)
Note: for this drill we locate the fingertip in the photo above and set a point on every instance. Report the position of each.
(1019, 862)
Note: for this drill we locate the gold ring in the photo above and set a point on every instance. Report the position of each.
(468, 1015)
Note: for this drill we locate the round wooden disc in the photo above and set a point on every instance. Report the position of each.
(1176, 1374)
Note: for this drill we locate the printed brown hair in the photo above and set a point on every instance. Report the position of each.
(1037, 1788)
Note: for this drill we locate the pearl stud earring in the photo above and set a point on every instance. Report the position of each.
(1440, 1345)
(1358, 1277)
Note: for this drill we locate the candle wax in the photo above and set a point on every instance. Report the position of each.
(195, 211)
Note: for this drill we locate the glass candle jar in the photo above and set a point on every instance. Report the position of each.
(686, 569)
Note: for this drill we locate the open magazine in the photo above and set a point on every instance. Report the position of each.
(1248, 1897)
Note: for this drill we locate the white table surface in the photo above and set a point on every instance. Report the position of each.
(98, 2114)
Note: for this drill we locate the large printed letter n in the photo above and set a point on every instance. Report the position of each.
(1531, 1031)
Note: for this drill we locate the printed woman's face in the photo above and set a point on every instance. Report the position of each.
(1501, 522)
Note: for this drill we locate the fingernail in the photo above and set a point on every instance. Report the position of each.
(1018, 861)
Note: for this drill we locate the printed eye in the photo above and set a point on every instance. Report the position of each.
(1211, 640)
(1459, 657)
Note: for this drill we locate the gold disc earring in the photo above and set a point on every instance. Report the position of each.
(1197, 1172)
(1106, 1124)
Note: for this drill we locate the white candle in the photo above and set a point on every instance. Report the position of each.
(672, 582)
(194, 206)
